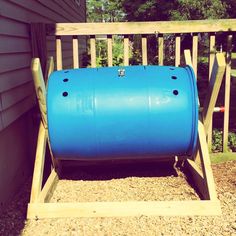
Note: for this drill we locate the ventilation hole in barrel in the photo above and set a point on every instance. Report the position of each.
(66, 71)
(171, 68)
(175, 92)
(173, 77)
(65, 80)
(64, 94)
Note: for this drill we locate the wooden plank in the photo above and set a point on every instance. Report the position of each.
(17, 94)
(227, 93)
(126, 51)
(188, 58)
(109, 50)
(212, 52)
(198, 178)
(160, 49)
(49, 68)
(144, 50)
(75, 52)
(40, 89)
(49, 187)
(123, 209)
(14, 44)
(93, 51)
(195, 53)
(59, 53)
(17, 110)
(14, 78)
(39, 164)
(177, 49)
(163, 27)
(206, 163)
(213, 89)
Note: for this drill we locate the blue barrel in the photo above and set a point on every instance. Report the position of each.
(122, 112)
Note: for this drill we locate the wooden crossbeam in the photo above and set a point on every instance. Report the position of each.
(217, 74)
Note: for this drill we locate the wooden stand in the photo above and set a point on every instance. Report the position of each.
(199, 167)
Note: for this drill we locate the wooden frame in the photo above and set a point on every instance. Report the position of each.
(40, 207)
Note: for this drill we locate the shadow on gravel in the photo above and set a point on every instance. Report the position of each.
(116, 170)
(12, 219)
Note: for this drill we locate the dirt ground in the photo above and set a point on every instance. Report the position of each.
(142, 182)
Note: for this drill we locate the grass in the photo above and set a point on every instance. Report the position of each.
(222, 157)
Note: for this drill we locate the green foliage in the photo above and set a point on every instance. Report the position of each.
(217, 141)
(104, 11)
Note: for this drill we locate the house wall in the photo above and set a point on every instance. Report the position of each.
(18, 127)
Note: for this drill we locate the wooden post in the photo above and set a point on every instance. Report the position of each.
(59, 53)
(109, 50)
(227, 93)
(93, 51)
(144, 50)
(39, 164)
(213, 89)
(195, 53)
(126, 50)
(177, 49)
(75, 43)
(160, 50)
(50, 68)
(212, 52)
(39, 88)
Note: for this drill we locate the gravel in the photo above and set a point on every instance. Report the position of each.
(142, 182)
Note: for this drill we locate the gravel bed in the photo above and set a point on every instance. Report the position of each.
(142, 183)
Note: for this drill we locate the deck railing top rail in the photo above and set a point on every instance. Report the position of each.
(155, 27)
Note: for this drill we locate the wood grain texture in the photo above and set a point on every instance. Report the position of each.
(213, 89)
(227, 93)
(123, 209)
(93, 51)
(75, 43)
(122, 28)
(206, 163)
(39, 164)
(177, 50)
(160, 50)
(126, 51)
(195, 53)
(212, 53)
(59, 53)
(40, 89)
(48, 188)
(109, 50)
(144, 50)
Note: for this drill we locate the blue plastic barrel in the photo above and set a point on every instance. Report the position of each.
(122, 112)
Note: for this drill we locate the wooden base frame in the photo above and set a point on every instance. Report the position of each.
(199, 166)
(40, 207)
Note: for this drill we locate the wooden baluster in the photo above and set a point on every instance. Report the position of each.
(144, 50)
(195, 53)
(75, 43)
(211, 62)
(227, 93)
(160, 49)
(59, 53)
(109, 50)
(93, 51)
(177, 49)
(126, 50)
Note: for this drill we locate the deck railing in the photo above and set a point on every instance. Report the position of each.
(160, 28)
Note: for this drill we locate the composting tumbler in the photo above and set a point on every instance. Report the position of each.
(122, 112)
